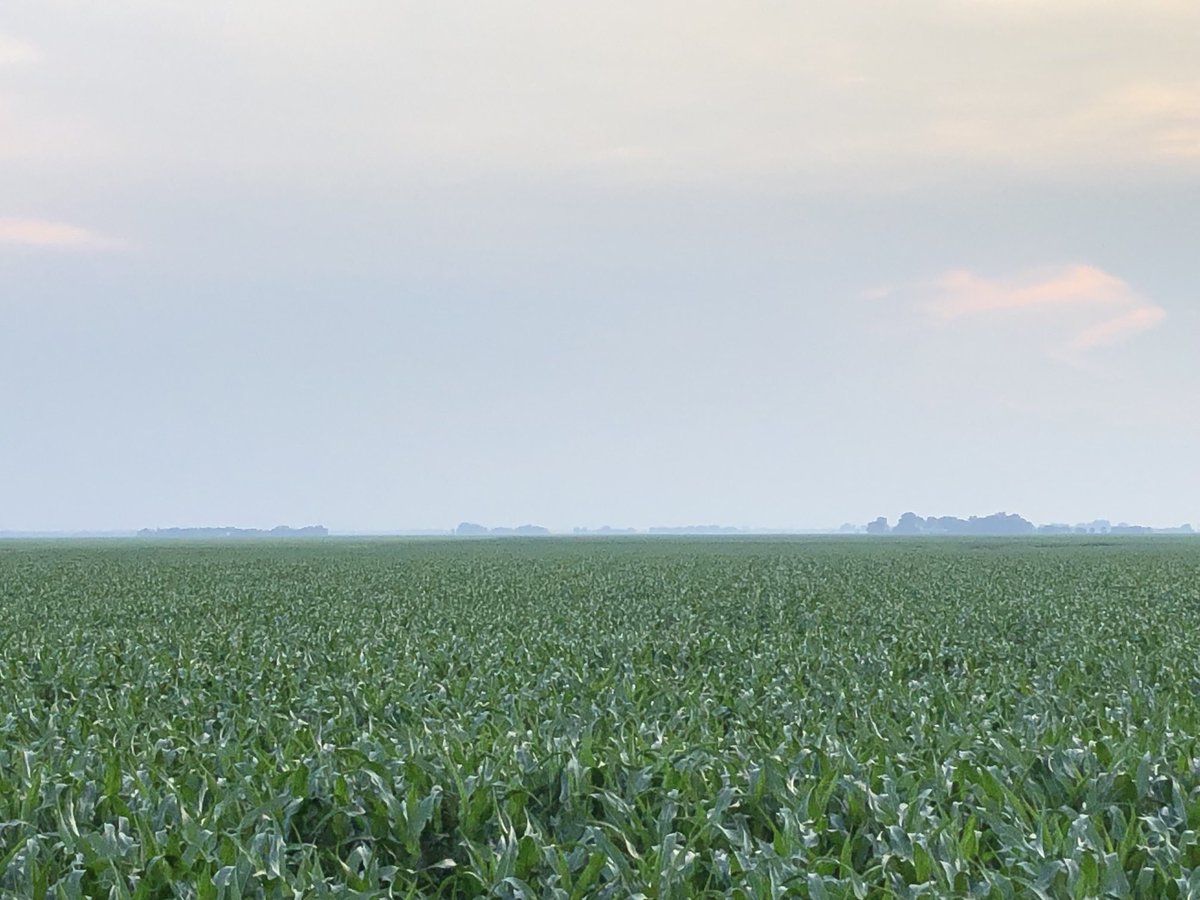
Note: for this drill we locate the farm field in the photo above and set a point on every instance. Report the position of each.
(601, 718)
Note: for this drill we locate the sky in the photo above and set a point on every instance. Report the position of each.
(396, 265)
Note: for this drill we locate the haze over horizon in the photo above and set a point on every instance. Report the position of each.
(398, 265)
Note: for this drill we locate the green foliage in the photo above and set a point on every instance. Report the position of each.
(571, 719)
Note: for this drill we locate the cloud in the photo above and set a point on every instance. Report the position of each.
(863, 96)
(1116, 330)
(13, 51)
(1096, 308)
(964, 293)
(1163, 118)
(53, 235)
(879, 292)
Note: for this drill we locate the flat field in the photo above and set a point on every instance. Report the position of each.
(601, 718)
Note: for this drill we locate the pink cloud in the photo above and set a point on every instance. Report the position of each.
(964, 293)
(1113, 331)
(53, 235)
(1100, 309)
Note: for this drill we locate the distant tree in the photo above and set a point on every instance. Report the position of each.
(1001, 524)
(879, 526)
(910, 523)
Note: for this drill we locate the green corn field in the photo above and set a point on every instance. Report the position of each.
(601, 718)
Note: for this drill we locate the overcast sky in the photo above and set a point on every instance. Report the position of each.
(389, 265)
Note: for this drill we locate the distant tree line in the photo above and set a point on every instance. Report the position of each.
(695, 529)
(279, 531)
(996, 524)
(1001, 524)
(470, 529)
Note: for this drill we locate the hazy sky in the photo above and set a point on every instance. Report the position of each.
(398, 264)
